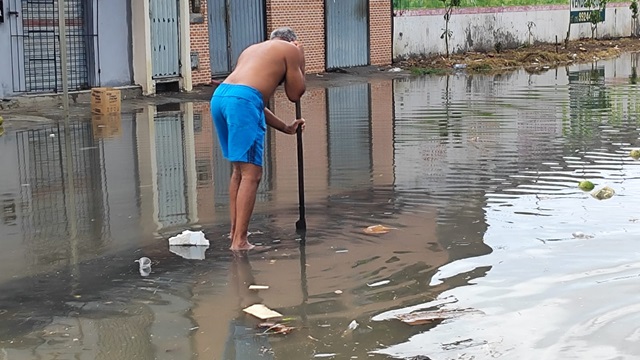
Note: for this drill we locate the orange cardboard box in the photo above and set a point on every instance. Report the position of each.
(105, 101)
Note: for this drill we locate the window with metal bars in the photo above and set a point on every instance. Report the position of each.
(36, 45)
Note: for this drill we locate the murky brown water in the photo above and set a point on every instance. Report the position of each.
(477, 174)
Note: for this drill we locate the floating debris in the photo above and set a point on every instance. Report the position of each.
(427, 317)
(144, 262)
(603, 193)
(338, 292)
(635, 154)
(328, 355)
(586, 185)
(352, 326)
(276, 328)
(581, 235)
(262, 312)
(379, 283)
(258, 287)
(378, 229)
(189, 238)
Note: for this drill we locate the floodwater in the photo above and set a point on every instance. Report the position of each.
(476, 175)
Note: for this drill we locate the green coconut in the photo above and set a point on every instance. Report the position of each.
(586, 185)
(635, 153)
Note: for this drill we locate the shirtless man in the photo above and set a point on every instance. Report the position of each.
(240, 117)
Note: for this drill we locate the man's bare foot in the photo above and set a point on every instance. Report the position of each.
(242, 246)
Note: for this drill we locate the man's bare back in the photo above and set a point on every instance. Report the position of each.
(265, 65)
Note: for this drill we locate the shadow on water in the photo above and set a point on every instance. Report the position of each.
(476, 176)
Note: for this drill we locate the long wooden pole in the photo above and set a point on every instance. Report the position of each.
(301, 224)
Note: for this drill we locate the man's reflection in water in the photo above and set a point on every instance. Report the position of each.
(245, 342)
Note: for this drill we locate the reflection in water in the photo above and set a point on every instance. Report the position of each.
(477, 174)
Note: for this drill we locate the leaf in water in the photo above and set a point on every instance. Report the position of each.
(378, 229)
(427, 317)
(262, 312)
(325, 355)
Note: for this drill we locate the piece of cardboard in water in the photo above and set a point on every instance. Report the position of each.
(262, 312)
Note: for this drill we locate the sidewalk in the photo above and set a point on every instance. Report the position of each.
(29, 111)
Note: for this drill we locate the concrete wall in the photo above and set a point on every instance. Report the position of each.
(418, 32)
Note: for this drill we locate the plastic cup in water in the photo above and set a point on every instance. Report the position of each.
(144, 262)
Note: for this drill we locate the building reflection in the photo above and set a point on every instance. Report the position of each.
(160, 170)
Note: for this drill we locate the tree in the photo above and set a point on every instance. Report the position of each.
(595, 16)
(446, 34)
(634, 15)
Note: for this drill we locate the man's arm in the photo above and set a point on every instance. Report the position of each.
(275, 122)
(294, 83)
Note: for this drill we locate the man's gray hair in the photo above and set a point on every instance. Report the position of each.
(284, 33)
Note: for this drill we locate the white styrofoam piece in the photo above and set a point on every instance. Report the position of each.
(189, 238)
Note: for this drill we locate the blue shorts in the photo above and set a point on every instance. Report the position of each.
(238, 114)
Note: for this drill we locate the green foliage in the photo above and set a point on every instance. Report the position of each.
(595, 16)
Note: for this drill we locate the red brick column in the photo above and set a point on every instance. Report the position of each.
(380, 31)
(306, 18)
(200, 44)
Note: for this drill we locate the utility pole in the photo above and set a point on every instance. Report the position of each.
(62, 29)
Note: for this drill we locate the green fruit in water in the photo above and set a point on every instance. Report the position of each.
(1, 120)
(1, 131)
(634, 153)
(586, 185)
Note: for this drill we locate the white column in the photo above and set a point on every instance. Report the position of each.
(185, 45)
(141, 34)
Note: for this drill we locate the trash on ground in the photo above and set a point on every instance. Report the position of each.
(603, 193)
(275, 328)
(379, 283)
(258, 287)
(395, 69)
(586, 185)
(635, 154)
(189, 252)
(459, 66)
(189, 238)
(262, 312)
(427, 317)
(378, 229)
